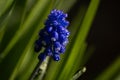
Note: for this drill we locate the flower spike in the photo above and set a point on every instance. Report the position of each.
(54, 36)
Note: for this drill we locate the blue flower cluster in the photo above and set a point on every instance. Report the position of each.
(54, 36)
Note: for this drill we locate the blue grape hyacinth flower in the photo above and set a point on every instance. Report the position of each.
(54, 36)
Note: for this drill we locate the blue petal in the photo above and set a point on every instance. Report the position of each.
(54, 36)
(48, 51)
(56, 57)
(57, 46)
(62, 49)
(48, 28)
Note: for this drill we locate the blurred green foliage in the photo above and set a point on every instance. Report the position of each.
(20, 22)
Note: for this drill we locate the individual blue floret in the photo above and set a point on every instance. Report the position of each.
(56, 57)
(54, 36)
(57, 46)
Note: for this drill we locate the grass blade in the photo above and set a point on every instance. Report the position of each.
(85, 26)
(64, 4)
(3, 24)
(4, 5)
(108, 74)
(33, 16)
(23, 44)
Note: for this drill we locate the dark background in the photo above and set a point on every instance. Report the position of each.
(105, 35)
